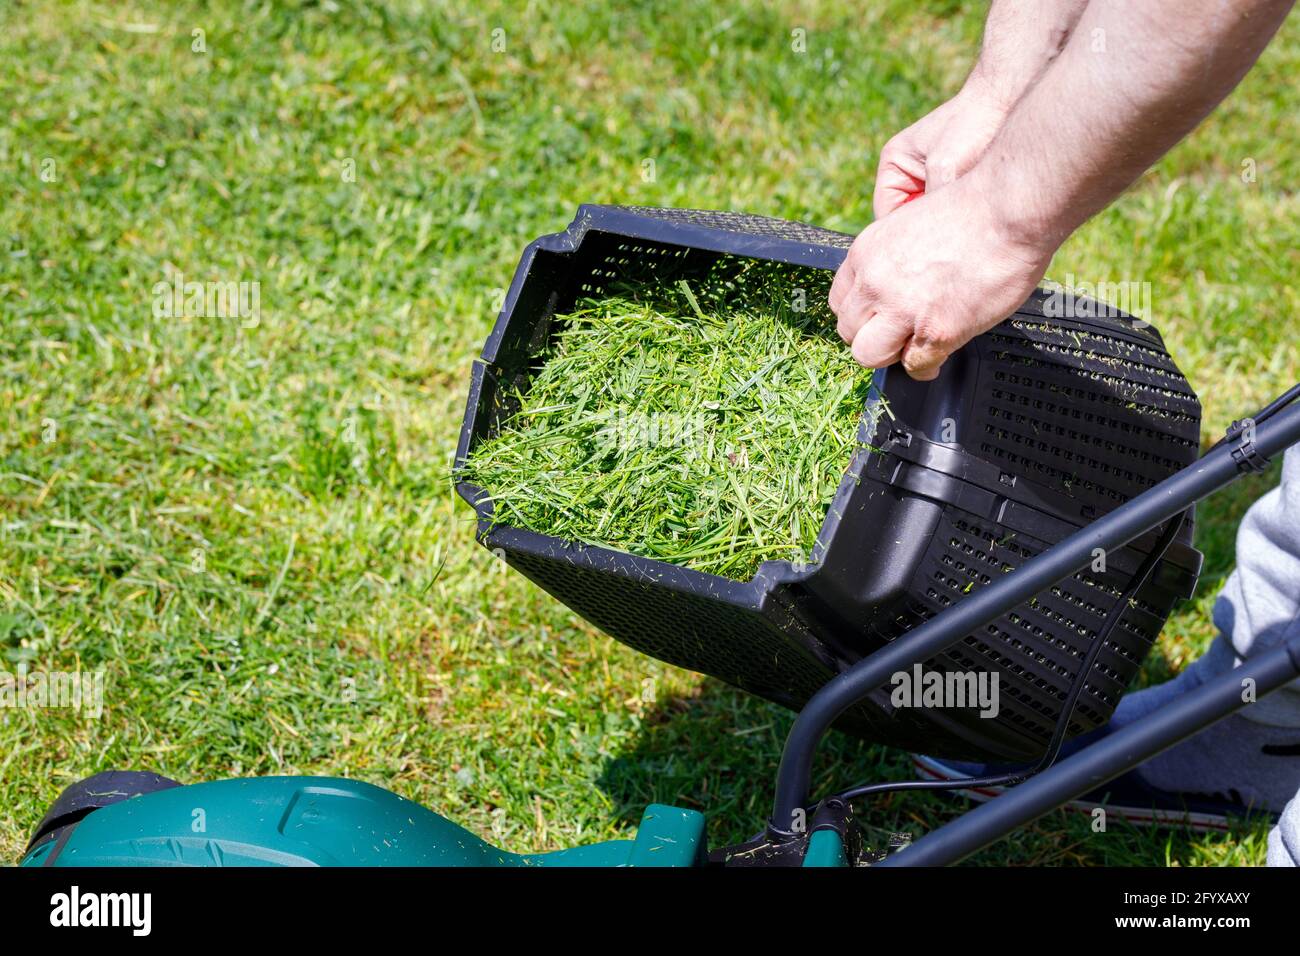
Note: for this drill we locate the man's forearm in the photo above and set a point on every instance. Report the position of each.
(1021, 40)
(1133, 80)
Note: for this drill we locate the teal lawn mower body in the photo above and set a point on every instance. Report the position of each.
(307, 821)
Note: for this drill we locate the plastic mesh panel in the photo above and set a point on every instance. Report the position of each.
(631, 260)
(1073, 408)
(737, 645)
(747, 224)
(1037, 648)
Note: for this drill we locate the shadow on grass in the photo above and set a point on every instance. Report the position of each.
(715, 751)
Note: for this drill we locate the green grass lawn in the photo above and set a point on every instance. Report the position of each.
(252, 529)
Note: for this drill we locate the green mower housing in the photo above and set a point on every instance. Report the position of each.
(312, 821)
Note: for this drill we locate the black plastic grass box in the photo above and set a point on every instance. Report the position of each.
(1049, 423)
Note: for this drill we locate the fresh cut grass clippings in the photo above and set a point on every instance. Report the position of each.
(703, 422)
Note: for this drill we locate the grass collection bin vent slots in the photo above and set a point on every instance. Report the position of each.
(703, 422)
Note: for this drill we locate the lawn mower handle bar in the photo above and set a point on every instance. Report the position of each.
(1103, 761)
(1218, 468)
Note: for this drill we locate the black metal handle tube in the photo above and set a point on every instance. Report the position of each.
(1114, 530)
(1108, 758)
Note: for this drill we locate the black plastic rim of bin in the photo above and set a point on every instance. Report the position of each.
(790, 628)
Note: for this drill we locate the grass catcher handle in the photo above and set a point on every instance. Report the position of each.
(1217, 468)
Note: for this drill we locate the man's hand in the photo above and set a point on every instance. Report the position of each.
(939, 147)
(917, 288)
(921, 282)
(1020, 42)
(932, 274)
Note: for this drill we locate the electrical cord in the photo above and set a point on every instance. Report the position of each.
(1271, 409)
(1139, 579)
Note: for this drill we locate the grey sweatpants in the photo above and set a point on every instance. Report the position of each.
(1258, 608)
